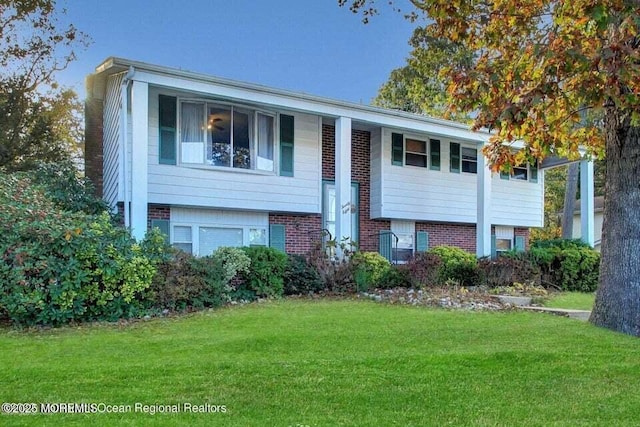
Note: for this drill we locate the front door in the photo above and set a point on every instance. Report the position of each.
(329, 210)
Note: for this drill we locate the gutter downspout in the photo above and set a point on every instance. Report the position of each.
(124, 96)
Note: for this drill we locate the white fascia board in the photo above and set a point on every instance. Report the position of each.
(263, 96)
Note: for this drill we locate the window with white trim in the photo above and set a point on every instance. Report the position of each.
(203, 240)
(182, 238)
(257, 237)
(405, 248)
(408, 150)
(415, 152)
(504, 239)
(405, 231)
(469, 160)
(462, 158)
(503, 245)
(227, 136)
(522, 173)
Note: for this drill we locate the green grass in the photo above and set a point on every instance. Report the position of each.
(573, 300)
(332, 363)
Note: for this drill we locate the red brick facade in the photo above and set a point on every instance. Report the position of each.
(524, 232)
(360, 173)
(460, 235)
(301, 231)
(157, 212)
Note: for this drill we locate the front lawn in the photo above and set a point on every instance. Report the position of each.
(572, 300)
(331, 363)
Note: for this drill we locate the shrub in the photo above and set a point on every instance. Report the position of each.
(422, 269)
(186, 282)
(336, 276)
(395, 277)
(155, 247)
(457, 265)
(301, 277)
(265, 278)
(59, 266)
(570, 265)
(368, 269)
(232, 261)
(507, 270)
(559, 243)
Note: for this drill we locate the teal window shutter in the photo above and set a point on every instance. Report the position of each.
(454, 157)
(422, 241)
(493, 247)
(277, 237)
(167, 113)
(504, 175)
(163, 225)
(397, 148)
(520, 244)
(533, 171)
(385, 247)
(434, 154)
(286, 145)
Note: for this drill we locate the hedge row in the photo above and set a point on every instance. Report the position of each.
(64, 259)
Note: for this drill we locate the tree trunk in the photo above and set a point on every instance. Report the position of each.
(617, 304)
(569, 200)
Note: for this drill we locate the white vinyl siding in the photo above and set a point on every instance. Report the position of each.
(204, 230)
(112, 119)
(517, 203)
(229, 188)
(422, 194)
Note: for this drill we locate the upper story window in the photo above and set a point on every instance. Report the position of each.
(217, 134)
(227, 136)
(522, 173)
(416, 154)
(462, 158)
(410, 151)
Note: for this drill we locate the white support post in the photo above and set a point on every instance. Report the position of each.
(483, 225)
(139, 160)
(586, 202)
(344, 204)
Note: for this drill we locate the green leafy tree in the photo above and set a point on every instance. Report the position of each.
(39, 121)
(420, 86)
(540, 65)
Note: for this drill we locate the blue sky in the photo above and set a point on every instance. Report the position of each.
(311, 46)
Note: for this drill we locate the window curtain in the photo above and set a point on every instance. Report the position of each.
(191, 123)
(265, 136)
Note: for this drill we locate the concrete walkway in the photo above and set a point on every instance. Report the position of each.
(566, 312)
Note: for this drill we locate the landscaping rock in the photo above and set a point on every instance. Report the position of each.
(446, 297)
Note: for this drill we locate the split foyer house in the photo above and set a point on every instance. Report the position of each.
(215, 162)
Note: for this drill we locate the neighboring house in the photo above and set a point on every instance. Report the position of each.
(215, 162)
(598, 215)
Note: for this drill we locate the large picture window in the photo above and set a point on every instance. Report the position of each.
(203, 240)
(226, 136)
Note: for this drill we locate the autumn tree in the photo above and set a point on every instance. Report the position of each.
(540, 64)
(39, 121)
